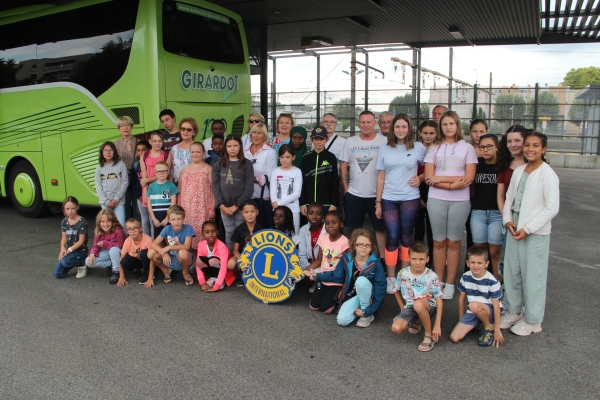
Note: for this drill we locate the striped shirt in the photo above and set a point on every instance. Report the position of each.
(482, 290)
(160, 195)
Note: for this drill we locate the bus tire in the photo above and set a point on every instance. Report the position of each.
(25, 190)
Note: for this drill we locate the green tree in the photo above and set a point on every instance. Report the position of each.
(342, 109)
(481, 113)
(8, 74)
(404, 104)
(581, 77)
(509, 109)
(547, 104)
(576, 111)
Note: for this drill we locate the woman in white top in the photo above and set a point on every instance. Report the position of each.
(180, 153)
(532, 201)
(264, 161)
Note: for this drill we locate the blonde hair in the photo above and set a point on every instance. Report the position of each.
(111, 217)
(258, 115)
(177, 210)
(368, 235)
(284, 115)
(439, 137)
(262, 128)
(193, 123)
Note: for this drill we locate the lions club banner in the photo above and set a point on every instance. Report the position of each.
(271, 266)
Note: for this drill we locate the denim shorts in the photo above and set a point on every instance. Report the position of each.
(472, 320)
(410, 315)
(175, 265)
(486, 227)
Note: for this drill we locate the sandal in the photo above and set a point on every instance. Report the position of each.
(414, 329)
(424, 347)
(168, 278)
(189, 282)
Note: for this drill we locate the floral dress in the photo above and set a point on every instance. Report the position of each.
(181, 158)
(196, 199)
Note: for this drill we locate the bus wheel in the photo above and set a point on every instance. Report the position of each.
(25, 190)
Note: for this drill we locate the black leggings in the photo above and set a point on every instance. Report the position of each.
(324, 297)
(421, 226)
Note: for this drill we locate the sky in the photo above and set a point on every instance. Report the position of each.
(520, 65)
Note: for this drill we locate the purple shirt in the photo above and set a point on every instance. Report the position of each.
(450, 160)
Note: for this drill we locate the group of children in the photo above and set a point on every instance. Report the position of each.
(348, 275)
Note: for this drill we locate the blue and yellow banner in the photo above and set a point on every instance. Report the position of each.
(271, 266)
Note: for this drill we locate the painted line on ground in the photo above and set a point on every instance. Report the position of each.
(582, 265)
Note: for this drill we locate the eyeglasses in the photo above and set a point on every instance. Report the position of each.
(186, 129)
(254, 121)
(363, 245)
(133, 229)
(488, 147)
(124, 125)
(162, 171)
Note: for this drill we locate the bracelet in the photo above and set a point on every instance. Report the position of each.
(70, 250)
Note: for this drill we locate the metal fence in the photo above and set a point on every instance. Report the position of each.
(570, 117)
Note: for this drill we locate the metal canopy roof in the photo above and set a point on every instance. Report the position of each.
(422, 23)
(418, 23)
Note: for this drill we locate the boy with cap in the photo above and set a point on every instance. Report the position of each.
(321, 182)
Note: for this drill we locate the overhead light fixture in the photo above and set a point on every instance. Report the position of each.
(322, 41)
(455, 32)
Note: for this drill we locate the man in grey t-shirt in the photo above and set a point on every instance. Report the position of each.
(360, 156)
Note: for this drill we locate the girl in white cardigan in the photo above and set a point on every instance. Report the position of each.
(532, 201)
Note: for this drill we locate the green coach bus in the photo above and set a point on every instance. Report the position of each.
(68, 71)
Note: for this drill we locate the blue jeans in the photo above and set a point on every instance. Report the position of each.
(486, 227)
(69, 261)
(119, 212)
(106, 258)
(364, 288)
(399, 218)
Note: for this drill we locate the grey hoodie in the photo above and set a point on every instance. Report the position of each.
(111, 182)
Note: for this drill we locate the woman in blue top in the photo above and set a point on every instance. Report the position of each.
(398, 198)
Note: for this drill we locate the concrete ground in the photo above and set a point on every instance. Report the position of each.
(84, 338)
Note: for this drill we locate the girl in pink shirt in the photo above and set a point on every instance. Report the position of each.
(450, 166)
(332, 246)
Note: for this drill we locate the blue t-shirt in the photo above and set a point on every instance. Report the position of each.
(160, 195)
(400, 165)
(176, 238)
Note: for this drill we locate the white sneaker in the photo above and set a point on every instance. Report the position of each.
(523, 328)
(363, 322)
(508, 319)
(391, 282)
(81, 272)
(448, 292)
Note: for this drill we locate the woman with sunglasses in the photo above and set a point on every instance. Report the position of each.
(284, 124)
(486, 219)
(253, 119)
(264, 162)
(180, 153)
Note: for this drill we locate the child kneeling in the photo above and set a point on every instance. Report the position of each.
(211, 264)
(363, 281)
(483, 292)
(418, 293)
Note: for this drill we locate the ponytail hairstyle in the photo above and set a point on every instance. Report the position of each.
(505, 157)
(544, 140)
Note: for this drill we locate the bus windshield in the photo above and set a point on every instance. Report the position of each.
(199, 33)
